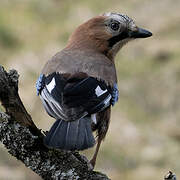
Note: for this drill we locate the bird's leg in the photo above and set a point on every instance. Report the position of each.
(93, 160)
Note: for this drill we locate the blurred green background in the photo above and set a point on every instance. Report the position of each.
(143, 141)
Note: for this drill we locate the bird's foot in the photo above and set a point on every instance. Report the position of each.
(92, 162)
(89, 165)
(83, 159)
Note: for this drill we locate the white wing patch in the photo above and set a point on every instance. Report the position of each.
(51, 85)
(93, 117)
(107, 100)
(99, 91)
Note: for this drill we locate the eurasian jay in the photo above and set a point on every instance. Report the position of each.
(78, 85)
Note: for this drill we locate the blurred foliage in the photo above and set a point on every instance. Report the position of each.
(144, 135)
(7, 38)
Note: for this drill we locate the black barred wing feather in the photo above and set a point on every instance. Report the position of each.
(72, 98)
(89, 93)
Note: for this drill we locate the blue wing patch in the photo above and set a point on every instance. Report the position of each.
(115, 94)
(40, 84)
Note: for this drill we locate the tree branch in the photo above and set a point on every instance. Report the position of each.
(24, 140)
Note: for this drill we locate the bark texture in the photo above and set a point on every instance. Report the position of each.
(24, 140)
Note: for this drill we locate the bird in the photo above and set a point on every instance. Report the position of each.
(78, 85)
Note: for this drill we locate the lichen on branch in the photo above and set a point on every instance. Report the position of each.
(24, 140)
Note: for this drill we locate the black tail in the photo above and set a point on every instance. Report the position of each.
(74, 135)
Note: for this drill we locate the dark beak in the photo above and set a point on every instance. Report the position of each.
(140, 33)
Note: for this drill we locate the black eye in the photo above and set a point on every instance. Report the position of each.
(115, 26)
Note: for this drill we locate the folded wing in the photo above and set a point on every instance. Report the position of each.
(72, 97)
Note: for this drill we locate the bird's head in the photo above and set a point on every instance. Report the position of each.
(107, 33)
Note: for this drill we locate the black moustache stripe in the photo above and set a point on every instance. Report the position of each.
(112, 41)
